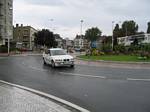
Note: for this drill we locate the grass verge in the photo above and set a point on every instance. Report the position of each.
(121, 58)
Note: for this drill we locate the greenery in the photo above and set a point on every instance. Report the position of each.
(93, 34)
(4, 48)
(122, 58)
(106, 48)
(148, 29)
(45, 37)
(127, 28)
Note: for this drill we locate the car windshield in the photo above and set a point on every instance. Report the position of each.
(58, 52)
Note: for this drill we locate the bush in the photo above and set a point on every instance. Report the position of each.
(3, 49)
(120, 49)
(106, 48)
(95, 52)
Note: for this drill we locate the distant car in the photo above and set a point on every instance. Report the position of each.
(57, 57)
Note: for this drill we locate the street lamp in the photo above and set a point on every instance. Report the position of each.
(81, 27)
(113, 34)
(52, 25)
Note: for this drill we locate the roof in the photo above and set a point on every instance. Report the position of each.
(55, 49)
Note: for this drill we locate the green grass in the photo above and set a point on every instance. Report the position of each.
(122, 58)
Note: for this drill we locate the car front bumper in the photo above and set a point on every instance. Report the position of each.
(67, 63)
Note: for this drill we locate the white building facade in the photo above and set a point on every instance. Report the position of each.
(78, 43)
(128, 40)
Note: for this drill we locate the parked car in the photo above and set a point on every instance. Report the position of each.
(57, 57)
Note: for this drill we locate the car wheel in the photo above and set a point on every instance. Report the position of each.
(44, 62)
(53, 64)
(72, 66)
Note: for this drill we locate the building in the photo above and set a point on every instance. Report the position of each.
(24, 36)
(81, 43)
(6, 20)
(78, 42)
(68, 43)
(128, 40)
(59, 40)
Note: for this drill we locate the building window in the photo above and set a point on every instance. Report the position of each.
(25, 37)
(25, 32)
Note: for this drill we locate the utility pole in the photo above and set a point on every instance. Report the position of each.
(81, 26)
(113, 35)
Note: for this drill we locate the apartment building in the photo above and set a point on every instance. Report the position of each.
(24, 36)
(6, 20)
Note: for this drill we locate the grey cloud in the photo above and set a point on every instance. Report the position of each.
(45, 2)
(68, 13)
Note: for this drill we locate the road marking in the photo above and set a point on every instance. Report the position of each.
(83, 75)
(48, 96)
(131, 79)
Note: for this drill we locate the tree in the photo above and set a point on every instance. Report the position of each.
(92, 34)
(148, 29)
(116, 34)
(45, 37)
(135, 42)
(129, 28)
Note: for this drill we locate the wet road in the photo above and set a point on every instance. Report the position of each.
(98, 89)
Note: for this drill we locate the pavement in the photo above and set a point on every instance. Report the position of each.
(15, 99)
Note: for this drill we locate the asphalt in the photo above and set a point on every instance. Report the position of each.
(96, 88)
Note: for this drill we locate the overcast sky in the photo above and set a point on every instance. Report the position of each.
(63, 16)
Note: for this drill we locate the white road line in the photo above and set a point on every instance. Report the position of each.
(131, 79)
(48, 96)
(83, 75)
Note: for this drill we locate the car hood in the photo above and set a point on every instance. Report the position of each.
(62, 57)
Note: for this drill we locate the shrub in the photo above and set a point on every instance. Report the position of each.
(120, 49)
(95, 52)
(106, 48)
(3, 49)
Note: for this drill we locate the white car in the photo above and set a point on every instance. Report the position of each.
(57, 57)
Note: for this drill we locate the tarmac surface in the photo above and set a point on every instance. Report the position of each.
(96, 86)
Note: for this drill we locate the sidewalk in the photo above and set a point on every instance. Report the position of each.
(13, 99)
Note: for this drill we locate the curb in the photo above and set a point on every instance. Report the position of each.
(6, 55)
(113, 62)
(80, 109)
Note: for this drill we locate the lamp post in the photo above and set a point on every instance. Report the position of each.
(81, 27)
(52, 25)
(113, 34)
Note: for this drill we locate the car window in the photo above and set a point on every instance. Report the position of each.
(58, 52)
